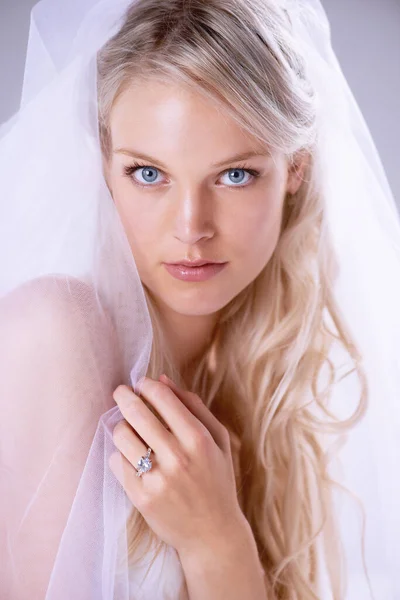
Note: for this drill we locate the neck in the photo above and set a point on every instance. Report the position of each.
(188, 336)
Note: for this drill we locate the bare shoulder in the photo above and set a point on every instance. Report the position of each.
(58, 369)
(53, 301)
(55, 327)
(48, 306)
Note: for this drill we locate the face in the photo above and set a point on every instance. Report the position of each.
(181, 194)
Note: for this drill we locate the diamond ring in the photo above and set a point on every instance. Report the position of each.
(144, 464)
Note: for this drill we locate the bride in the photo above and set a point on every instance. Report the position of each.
(185, 190)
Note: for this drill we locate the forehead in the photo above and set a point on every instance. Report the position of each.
(168, 117)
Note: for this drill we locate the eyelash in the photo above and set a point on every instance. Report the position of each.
(129, 170)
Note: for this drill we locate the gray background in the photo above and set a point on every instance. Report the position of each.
(366, 39)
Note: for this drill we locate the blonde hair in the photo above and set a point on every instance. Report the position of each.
(273, 341)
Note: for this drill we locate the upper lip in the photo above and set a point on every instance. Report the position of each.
(194, 263)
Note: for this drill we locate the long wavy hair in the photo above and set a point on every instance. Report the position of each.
(273, 342)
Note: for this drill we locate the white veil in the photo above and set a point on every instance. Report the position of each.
(67, 273)
(71, 301)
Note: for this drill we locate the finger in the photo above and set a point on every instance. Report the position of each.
(144, 422)
(181, 421)
(126, 475)
(196, 406)
(128, 443)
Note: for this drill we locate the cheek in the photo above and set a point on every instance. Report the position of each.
(255, 232)
(139, 225)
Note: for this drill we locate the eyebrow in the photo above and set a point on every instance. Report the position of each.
(154, 161)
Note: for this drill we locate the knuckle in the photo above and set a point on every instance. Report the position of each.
(135, 409)
(119, 432)
(157, 395)
(196, 399)
(225, 434)
(180, 462)
(201, 439)
(168, 396)
(157, 388)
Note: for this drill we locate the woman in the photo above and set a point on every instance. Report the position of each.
(157, 132)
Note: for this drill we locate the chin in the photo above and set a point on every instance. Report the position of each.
(192, 301)
(193, 306)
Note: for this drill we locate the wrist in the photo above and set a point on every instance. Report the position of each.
(226, 567)
(232, 544)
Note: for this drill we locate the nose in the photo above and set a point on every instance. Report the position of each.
(193, 218)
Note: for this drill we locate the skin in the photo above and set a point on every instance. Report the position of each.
(190, 208)
(189, 500)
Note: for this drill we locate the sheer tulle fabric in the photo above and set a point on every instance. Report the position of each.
(74, 323)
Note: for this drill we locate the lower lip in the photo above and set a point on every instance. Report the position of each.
(194, 273)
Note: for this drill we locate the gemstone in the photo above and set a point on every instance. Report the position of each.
(144, 464)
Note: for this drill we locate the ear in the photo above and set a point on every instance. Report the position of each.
(296, 171)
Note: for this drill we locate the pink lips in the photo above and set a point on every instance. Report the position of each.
(202, 273)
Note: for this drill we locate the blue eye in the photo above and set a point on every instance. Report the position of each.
(149, 175)
(236, 175)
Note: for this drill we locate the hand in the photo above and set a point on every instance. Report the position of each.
(189, 496)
